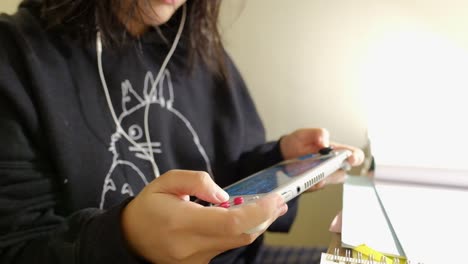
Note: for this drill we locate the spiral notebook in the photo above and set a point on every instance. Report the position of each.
(327, 258)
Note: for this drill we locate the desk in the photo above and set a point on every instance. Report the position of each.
(429, 221)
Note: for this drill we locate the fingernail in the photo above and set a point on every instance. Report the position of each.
(281, 205)
(282, 209)
(280, 201)
(222, 195)
(326, 141)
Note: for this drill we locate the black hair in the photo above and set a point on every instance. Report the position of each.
(81, 18)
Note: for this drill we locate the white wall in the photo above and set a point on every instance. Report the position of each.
(8, 6)
(299, 59)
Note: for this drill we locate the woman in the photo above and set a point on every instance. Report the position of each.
(103, 101)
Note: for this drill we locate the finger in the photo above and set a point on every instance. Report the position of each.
(324, 139)
(357, 155)
(262, 227)
(338, 176)
(235, 221)
(264, 211)
(185, 182)
(248, 236)
(320, 137)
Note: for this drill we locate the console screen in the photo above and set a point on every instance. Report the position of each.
(269, 179)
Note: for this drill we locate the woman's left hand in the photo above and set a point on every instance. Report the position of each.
(311, 140)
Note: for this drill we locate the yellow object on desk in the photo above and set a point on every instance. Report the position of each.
(361, 254)
(366, 253)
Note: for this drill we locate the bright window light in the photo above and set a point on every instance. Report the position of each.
(416, 88)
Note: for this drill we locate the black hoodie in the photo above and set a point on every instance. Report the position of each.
(66, 171)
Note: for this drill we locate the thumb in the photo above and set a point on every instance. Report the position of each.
(318, 137)
(323, 137)
(186, 182)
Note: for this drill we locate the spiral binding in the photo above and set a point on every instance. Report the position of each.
(348, 259)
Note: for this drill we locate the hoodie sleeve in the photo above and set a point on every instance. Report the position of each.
(257, 154)
(34, 226)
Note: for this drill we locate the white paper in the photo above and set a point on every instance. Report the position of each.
(364, 222)
(431, 222)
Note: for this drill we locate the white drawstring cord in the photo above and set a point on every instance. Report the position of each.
(148, 154)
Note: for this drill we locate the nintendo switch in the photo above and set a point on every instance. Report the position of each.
(289, 178)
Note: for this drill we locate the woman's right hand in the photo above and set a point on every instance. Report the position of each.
(162, 225)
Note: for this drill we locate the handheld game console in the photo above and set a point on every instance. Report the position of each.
(289, 178)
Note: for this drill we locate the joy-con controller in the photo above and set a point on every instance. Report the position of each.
(236, 201)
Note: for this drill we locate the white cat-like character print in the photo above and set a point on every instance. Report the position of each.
(126, 175)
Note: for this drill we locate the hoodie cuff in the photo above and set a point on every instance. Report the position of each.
(102, 240)
(272, 152)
